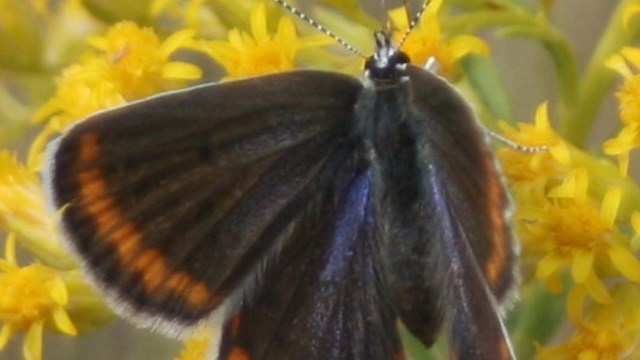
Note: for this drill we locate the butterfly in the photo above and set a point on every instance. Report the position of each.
(306, 212)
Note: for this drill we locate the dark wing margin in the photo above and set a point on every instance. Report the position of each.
(469, 218)
(323, 298)
(175, 201)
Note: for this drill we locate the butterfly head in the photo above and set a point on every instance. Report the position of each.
(388, 63)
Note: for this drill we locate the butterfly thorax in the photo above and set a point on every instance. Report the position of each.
(384, 110)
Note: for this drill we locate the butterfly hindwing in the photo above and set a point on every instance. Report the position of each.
(173, 202)
(323, 296)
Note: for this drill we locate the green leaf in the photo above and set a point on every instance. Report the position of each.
(486, 81)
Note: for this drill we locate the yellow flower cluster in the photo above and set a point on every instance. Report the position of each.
(569, 223)
(260, 53)
(127, 63)
(31, 297)
(629, 96)
(560, 224)
(427, 40)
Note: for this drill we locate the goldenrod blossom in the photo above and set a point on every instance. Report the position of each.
(591, 341)
(559, 225)
(130, 63)
(23, 211)
(32, 297)
(608, 332)
(630, 12)
(259, 53)
(575, 233)
(629, 97)
(197, 347)
(426, 40)
(532, 173)
(140, 63)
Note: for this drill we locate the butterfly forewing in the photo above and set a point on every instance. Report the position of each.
(174, 201)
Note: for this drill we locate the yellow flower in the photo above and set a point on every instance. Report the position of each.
(629, 97)
(609, 331)
(570, 231)
(139, 63)
(32, 297)
(197, 347)
(566, 216)
(426, 40)
(631, 10)
(558, 222)
(592, 342)
(131, 63)
(630, 89)
(23, 211)
(530, 173)
(259, 53)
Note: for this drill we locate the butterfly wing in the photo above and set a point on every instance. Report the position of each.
(323, 297)
(176, 202)
(468, 221)
(446, 249)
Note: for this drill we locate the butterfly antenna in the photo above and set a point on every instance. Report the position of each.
(320, 27)
(385, 15)
(413, 22)
(517, 146)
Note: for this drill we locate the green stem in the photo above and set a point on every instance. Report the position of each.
(597, 79)
(483, 4)
(486, 81)
(605, 175)
(536, 318)
(517, 22)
